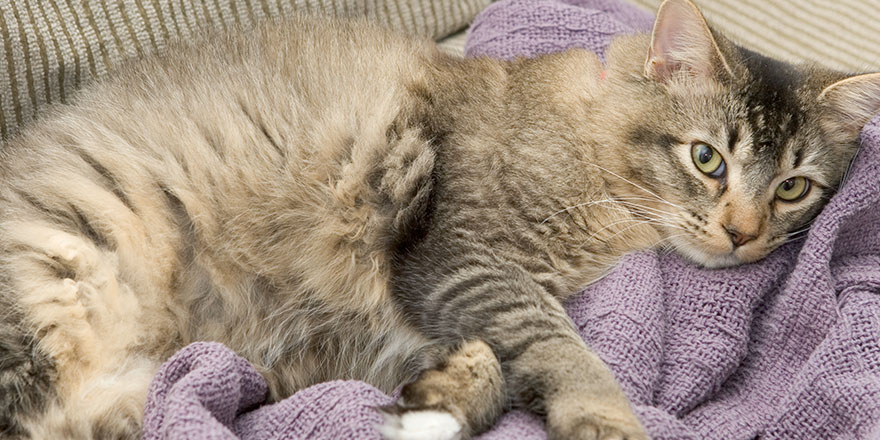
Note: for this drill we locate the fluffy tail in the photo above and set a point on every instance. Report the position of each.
(26, 374)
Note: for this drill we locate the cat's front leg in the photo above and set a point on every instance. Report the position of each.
(551, 371)
(465, 394)
(544, 365)
(576, 390)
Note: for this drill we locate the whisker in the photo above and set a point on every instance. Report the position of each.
(612, 224)
(632, 226)
(796, 234)
(579, 205)
(633, 184)
(653, 215)
(634, 199)
(636, 222)
(668, 247)
(645, 209)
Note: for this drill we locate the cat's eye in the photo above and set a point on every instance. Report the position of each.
(708, 160)
(793, 189)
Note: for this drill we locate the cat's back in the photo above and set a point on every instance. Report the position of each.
(302, 70)
(278, 110)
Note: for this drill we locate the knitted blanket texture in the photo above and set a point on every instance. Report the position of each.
(786, 348)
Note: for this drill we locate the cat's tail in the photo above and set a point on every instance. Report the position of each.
(69, 363)
(26, 373)
(35, 405)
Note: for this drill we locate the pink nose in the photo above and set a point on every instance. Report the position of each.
(738, 238)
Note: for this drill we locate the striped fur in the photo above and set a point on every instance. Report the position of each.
(290, 193)
(51, 48)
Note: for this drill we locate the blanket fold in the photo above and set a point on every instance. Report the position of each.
(206, 391)
(786, 348)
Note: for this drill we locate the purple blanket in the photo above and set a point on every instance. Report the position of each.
(788, 348)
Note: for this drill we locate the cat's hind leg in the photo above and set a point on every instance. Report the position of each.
(462, 395)
(78, 324)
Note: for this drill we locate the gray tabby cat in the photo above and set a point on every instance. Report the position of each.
(334, 201)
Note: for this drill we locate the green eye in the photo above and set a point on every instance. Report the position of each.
(708, 160)
(793, 189)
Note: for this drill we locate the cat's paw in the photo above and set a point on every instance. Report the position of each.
(595, 421)
(420, 425)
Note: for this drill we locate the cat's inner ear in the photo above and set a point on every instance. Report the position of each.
(682, 44)
(849, 104)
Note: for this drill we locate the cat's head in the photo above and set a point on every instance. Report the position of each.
(742, 149)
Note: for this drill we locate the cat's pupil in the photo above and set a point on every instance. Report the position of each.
(705, 154)
(788, 184)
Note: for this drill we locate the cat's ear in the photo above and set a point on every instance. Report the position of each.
(682, 44)
(849, 104)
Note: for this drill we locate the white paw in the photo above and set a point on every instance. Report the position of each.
(421, 425)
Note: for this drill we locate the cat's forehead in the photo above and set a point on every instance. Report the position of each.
(773, 120)
(770, 94)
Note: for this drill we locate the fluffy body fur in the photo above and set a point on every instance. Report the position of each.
(334, 201)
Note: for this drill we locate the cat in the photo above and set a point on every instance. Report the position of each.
(332, 200)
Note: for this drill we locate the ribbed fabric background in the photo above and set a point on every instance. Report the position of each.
(51, 47)
(843, 34)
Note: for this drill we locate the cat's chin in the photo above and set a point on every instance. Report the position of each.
(709, 260)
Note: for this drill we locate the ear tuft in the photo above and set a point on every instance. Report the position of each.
(849, 104)
(682, 44)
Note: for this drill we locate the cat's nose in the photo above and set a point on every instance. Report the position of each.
(739, 238)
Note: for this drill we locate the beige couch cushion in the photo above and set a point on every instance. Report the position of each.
(842, 34)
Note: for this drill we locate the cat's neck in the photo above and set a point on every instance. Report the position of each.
(529, 126)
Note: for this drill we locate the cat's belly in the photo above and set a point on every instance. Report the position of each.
(296, 340)
(378, 351)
